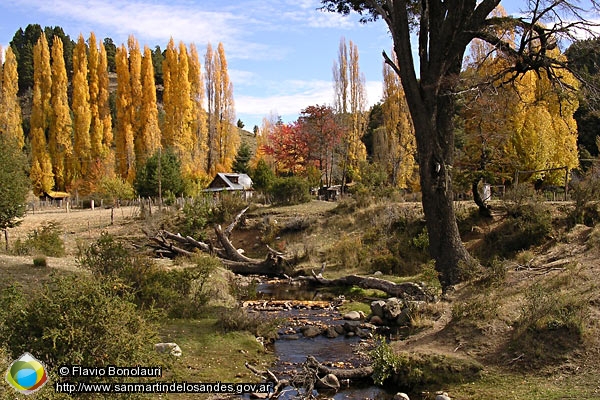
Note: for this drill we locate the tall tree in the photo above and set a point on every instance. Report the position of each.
(198, 114)
(148, 139)
(41, 176)
(445, 29)
(61, 128)
(323, 134)
(124, 147)
(13, 181)
(178, 105)
(394, 145)
(81, 113)
(223, 137)
(135, 78)
(10, 109)
(350, 103)
(104, 105)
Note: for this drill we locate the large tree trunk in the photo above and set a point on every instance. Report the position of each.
(435, 145)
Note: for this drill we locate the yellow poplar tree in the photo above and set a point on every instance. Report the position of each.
(198, 113)
(81, 112)
(104, 105)
(395, 145)
(350, 104)
(169, 66)
(224, 138)
(148, 139)
(61, 128)
(178, 105)
(135, 77)
(42, 178)
(211, 141)
(125, 154)
(10, 109)
(96, 125)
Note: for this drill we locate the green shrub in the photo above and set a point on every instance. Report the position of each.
(179, 292)
(40, 262)
(238, 319)
(526, 226)
(78, 320)
(290, 190)
(585, 191)
(45, 240)
(412, 371)
(104, 257)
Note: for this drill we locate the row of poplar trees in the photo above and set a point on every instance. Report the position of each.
(75, 139)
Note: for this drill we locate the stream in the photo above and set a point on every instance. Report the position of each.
(292, 347)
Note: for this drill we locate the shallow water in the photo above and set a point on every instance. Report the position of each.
(292, 353)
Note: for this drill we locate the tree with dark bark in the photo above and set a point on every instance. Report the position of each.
(444, 30)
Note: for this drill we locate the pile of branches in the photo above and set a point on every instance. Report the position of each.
(275, 264)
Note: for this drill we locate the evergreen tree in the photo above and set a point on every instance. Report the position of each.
(241, 163)
(169, 174)
(13, 179)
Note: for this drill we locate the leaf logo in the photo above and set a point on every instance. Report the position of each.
(26, 374)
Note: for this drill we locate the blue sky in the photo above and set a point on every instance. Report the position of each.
(280, 52)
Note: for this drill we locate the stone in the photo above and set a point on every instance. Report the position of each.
(363, 334)
(401, 396)
(377, 273)
(171, 348)
(353, 316)
(311, 331)
(442, 396)
(330, 381)
(331, 332)
(404, 318)
(376, 320)
(377, 307)
(392, 309)
(339, 329)
(351, 326)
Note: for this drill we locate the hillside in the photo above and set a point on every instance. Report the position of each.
(529, 320)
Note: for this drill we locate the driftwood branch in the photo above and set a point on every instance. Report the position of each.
(405, 290)
(275, 264)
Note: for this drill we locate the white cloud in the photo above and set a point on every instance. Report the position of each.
(295, 96)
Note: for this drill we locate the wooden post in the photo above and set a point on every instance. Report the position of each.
(92, 204)
(566, 182)
(6, 238)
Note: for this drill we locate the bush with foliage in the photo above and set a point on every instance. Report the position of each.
(262, 176)
(585, 191)
(164, 165)
(526, 226)
(113, 189)
(14, 183)
(290, 190)
(45, 241)
(77, 319)
(179, 292)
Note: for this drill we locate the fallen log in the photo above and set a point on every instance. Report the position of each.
(342, 373)
(404, 290)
